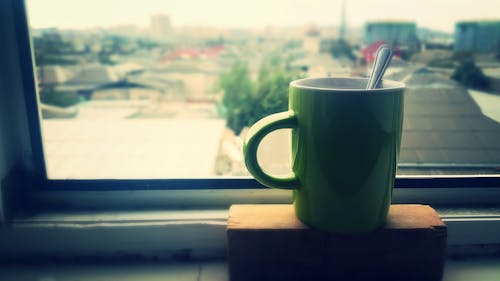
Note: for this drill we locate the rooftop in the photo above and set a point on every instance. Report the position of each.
(97, 145)
(444, 125)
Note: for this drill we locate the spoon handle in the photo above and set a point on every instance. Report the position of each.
(382, 60)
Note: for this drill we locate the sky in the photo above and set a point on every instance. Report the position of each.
(81, 14)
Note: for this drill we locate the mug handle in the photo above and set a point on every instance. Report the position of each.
(281, 120)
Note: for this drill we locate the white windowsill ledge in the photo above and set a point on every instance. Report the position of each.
(180, 234)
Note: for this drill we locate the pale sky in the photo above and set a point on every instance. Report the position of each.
(437, 14)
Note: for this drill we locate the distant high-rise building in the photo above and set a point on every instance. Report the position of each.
(478, 36)
(160, 27)
(397, 33)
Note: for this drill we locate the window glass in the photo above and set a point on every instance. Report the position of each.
(167, 89)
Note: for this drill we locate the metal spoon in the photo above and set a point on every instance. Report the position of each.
(382, 60)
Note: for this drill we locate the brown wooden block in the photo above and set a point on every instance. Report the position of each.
(268, 242)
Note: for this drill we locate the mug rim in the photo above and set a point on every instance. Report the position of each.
(393, 85)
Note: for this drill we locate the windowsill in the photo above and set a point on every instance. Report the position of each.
(479, 269)
(188, 234)
(145, 235)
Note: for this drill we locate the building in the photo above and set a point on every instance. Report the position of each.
(52, 75)
(445, 131)
(160, 27)
(397, 33)
(478, 36)
(312, 40)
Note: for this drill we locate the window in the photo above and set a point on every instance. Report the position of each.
(163, 91)
(21, 143)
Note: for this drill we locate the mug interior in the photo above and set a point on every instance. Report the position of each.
(344, 84)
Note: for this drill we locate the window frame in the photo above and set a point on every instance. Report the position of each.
(461, 184)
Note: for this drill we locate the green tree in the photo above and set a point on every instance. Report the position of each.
(468, 74)
(146, 44)
(114, 44)
(341, 48)
(271, 92)
(105, 58)
(50, 49)
(53, 43)
(59, 98)
(247, 101)
(238, 89)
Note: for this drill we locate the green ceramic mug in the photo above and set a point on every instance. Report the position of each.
(345, 146)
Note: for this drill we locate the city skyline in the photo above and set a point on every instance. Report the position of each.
(255, 14)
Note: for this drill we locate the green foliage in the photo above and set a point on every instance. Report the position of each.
(48, 59)
(238, 96)
(341, 48)
(59, 98)
(114, 44)
(50, 49)
(451, 61)
(52, 43)
(146, 44)
(292, 45)
(215, 41)
(271, 91)
(408, 54)
(468, 74)
(105, 58)
(462, 55)
(247, 101)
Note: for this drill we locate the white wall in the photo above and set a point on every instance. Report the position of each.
(14, 134)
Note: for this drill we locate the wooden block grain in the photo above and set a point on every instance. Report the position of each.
(268, 242)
